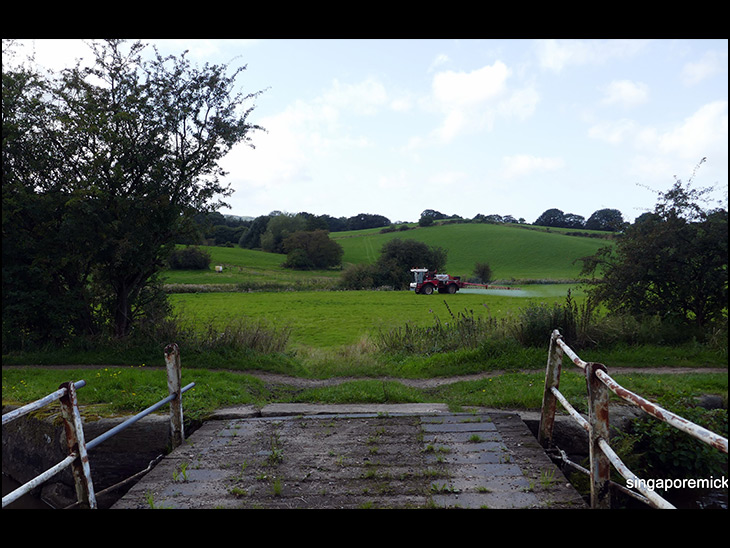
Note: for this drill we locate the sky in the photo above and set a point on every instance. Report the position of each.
(508, 127)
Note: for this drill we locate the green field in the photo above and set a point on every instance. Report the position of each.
(513, 252)
(324, 319)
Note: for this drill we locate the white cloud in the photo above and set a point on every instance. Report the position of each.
(441, 59)
(363, 98)
(613, 133)
(710, 64)
(699, 135)
(555, 55)
(625, 93)
(471, 101)
(457, 90)
(521, 104)
(521, 165)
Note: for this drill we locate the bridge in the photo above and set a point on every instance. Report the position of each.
(364, 456)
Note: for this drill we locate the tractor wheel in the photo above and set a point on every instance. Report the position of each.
(452, 288)
(427, 289)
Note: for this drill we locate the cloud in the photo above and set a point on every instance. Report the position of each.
(471, 101)
(710, 64)
(699, 135)
(364, 98)
(521, 165)
(625, 93)
(441, 59)
(556, 55)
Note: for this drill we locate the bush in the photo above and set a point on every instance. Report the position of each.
(189, 258)
(312, 249)
(358, 276)
(483, 272)
(653, 448)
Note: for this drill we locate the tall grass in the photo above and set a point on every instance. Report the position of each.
(460, 331)
(584, 327)
(239, 333)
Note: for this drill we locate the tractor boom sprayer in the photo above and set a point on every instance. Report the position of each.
(426, 282)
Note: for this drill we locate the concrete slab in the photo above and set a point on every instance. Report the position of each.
(356, 457)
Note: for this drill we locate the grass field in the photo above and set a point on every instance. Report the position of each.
(325, 319)
(511, 251)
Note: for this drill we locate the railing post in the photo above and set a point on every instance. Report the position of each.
(172, 361)
(598, 417)
(76, 444)
(549, 401)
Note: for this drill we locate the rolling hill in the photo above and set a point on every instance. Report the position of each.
(512, 251)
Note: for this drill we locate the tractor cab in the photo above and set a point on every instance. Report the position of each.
(419, 274)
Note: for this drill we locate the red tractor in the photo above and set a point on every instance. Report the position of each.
(427, 281)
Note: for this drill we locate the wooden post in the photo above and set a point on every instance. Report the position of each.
(549, 401)
(172, 362)
(76, 443)
(598, 417)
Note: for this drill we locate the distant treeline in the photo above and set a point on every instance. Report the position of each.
(261, 233)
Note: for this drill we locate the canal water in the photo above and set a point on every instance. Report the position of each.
(26, 501)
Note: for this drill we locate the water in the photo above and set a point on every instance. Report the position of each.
(26, 502)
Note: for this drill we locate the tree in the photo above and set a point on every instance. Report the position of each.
(483, 272)
(121, 154)
(312, 249)
(433, 214)
(398, 256)
(425, 220)
(606, 219)
(671, 263)
(366, 220)
(252, 238)
(278, 229)
(552, 217)
(571, 220)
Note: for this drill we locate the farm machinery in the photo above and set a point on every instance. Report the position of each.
(426, 281)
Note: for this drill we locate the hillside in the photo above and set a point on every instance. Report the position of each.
(512, 251)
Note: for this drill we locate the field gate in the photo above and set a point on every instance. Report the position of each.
(78, 448)
(600, 453)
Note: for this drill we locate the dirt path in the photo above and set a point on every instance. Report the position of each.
(300, 382)
(441, 381)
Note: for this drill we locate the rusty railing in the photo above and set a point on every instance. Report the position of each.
(601, 456)
(78, 449)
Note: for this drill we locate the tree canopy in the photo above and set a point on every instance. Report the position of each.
(670, 263)
(103, 168)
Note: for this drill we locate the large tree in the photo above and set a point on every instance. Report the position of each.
(119, 155)
(671, 262)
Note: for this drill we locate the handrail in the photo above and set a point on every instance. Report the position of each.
(601, 453)
(77, 457)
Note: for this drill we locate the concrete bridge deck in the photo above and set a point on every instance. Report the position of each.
(370, 456)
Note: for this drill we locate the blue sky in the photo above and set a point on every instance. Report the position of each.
(508, 127)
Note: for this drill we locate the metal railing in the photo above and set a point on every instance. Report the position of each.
(601, 456)
(78, 449)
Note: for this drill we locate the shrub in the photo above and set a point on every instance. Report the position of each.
(653, 448)
(189, 258)
(483, 272)
(358, 276)
(311, 249)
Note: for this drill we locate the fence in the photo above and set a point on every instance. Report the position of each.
(601, 456)
(77, 447)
